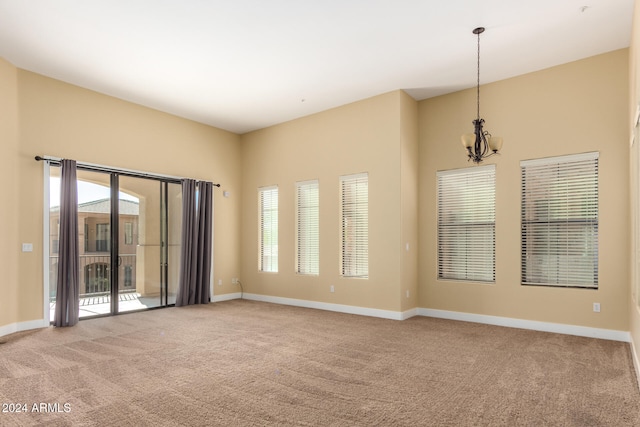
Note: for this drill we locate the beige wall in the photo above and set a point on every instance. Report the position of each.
(9, 208)
(409, 201)
(66, 121)
(573, 108)
(577, 107)
(367, 136)
(634, 102)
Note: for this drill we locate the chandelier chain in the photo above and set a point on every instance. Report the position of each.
(478, 85)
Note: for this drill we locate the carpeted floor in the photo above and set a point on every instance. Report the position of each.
(248, 363)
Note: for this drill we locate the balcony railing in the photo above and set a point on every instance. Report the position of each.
(94, 274)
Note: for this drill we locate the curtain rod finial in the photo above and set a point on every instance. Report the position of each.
(38, 158)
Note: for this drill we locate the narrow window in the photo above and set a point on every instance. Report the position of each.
(466, 224)
(55, 238)
(128, 233)
(354, 194)
(103, 243)
(86, 237)
(560, 221)
(268, 204)
(128, 276)
(307, 228)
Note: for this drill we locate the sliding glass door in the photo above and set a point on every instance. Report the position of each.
(147, 265)
(129, 239)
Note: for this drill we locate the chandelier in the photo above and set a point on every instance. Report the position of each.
(480, 144)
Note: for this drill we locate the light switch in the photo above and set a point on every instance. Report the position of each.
(27, 247)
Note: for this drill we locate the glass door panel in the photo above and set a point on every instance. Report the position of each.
(140, 285)
(174, 233)
(94, 239)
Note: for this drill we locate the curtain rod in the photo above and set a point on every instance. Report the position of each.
(127, 172)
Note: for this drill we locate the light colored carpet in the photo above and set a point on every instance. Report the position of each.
(250, 363)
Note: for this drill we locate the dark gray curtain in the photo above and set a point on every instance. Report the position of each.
(195, 257)
(67, 299)
(205, 207)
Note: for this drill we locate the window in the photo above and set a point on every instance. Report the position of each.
(128, 233)
(96, 278)
(560, 221)
(86, 236)
(268, 202)
(354, 192)
(55, 237)
(103, 239)
(466, 224)
(307, 228)
(128, 276)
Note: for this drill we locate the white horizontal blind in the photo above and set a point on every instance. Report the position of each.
(560, 221)
(354, 193)
(466, 224)
(268, 205)
(308, 227)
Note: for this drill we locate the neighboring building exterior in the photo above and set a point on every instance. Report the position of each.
(94, 245)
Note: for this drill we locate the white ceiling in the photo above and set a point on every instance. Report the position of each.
(242, 65)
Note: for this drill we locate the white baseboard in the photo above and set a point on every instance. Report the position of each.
(340, 308)
(559, 328)
(581, 331)
(409, 314)
(226, 297)
(22, 326)
(636, 360)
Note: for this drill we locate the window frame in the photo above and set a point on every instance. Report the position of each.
(307, 227)
(462, 238)
(560, 204)
(270, 266)
(356, 259)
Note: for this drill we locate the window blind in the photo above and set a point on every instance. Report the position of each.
(354, 194)
(307, 227)
(560, 221)
(268, 202)
(466, 224)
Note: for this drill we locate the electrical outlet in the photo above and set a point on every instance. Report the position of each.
(234, 281)
(407, 293)
(219, 282)
(332, 289)
(596, 307)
